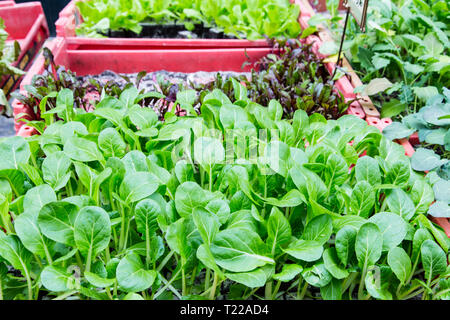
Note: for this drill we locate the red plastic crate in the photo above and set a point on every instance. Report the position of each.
(25, 23)
(321, 5)
(83, 59)
(7, 3)
(70, 18)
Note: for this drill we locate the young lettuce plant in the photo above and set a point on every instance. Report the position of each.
(235, 203)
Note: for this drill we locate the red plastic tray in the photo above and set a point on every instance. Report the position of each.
(321, 5)
(82, 58)
(70, 18)
(7, 3)
(25, 23)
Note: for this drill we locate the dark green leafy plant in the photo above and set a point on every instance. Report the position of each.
(406, 45)
(432, 123)
(250, 19)
(236, 203)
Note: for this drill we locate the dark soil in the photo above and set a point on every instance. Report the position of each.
(165, 31)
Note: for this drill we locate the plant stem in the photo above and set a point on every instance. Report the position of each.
(183, 280)
(207, 277)
(362, 283)
(268, 290)
(88, 260)
(212, 294)
(29, 284)
(167, 284)
(277, 287)
(302, 294)
(164, 262)
(79, 261)
(47, 255)
(108, 293)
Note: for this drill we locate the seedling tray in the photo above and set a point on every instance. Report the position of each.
(70, 18)
(25, 23)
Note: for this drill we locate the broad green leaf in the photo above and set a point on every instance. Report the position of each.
(306, 250)
(208, 152)
(239, 251)
(132, 276)
(319, 229)
(400, 203)
(420, 236)
(368, 245)
(92, 231)
(58, 280)
(288, 273)
(400, 263)
(188, 196)
(111, 143)
(252, 279)
(220, 208)
(15, 151)
(291, 199)
(425, 160)
(375, 286)
(98, 281)
(37, 197)
(240, 91)
(137, 186)
(142, 118)
(133, 296)
(275, 110)
(231, 114)
(397, 130)
(27, 229)
(333, 265)
(278, 230)
(367, 169)
(332, 291)
(317, 275)
(128, 97)
(422, 196)
(362, 200)
(55, 170)
(207, 224)
(56, 221)
(392, 227)
(12, 250)
(146, 213)
(135, 161)
(184, 171)
(398, 173)
(345, 243)
(83, 150)
(434, 260)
